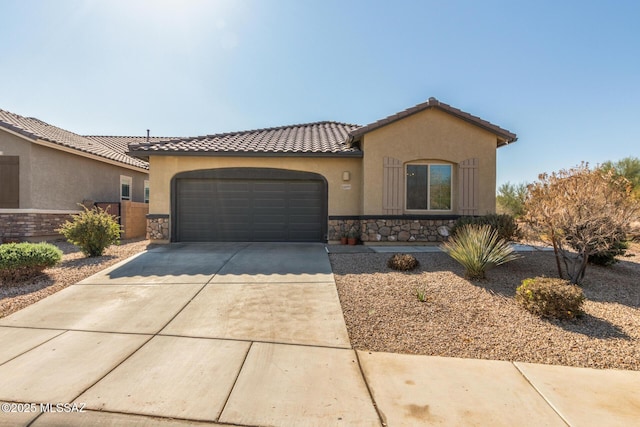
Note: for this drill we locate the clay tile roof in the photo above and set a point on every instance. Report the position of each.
(321, 138)
(36, 129)
(504, 135)
(121, 143)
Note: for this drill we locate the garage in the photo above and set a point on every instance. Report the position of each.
(249, 205)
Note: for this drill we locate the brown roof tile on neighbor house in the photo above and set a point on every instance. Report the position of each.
(318, 139)
(121, 143)
(504, 136)
(35, 129)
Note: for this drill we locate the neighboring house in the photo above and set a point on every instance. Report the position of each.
(45, 172)
(398, 179)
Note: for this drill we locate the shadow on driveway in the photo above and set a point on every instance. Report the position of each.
(228, 262)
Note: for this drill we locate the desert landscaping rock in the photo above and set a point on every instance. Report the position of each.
(73, 268)
(481, 320)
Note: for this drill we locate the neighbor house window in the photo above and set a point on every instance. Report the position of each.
(428, 187)
(146, 191)
(125, 187)
(9, 182)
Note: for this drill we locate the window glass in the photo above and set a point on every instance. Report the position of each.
(440, 187)
(417, 186)
(146, 191)
(429, 187)
(125, 187)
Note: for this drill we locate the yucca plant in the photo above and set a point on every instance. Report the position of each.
(478, 248)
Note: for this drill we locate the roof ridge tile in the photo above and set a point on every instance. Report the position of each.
(435, 103)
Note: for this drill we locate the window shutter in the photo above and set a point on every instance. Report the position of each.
(468, 185)
(10, 179)
(392, 186)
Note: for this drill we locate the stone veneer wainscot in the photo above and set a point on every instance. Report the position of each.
(158, 227)
(381, 229)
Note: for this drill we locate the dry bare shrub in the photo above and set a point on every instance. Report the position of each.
(403, 262)
(580, 212)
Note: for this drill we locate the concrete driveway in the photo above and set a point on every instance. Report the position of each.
(253, 334)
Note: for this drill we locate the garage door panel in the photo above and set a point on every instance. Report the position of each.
(309, 196)
(221, 202)
(270, 203)
(249, 210)
(227, 186)
(309, 217)
(270, 186)
(303, 219)
(311, 207)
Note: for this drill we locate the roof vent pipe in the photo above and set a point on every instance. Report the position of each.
(147, 135)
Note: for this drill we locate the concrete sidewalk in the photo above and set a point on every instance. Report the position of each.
(253, 334)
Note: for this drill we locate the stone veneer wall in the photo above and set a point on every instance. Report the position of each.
(369, 229)
(31, 225)
(158, 227)
(391, 230)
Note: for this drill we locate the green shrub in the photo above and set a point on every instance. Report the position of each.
(403, 262)
(504, 224)
(608, 257)
(550, 297)
(478, 248)
(21, 261)
(93, 231)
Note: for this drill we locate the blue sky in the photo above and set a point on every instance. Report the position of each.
(563, 75)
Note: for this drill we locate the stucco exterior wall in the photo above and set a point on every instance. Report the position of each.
(12, 145)
(55, 179)
(430, 135)
(344, 196)
(70, 179)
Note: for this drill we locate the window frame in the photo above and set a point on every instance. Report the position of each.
(147, 191)
(126, 180)
(428, 164)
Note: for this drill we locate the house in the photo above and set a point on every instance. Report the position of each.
(401, 178)
(46, 171)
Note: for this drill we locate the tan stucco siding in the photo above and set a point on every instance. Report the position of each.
(12, 145)
(55, 179)
(61, 180)
(341, 201)
(430, 135)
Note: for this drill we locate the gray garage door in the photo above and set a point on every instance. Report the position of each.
(245, 210)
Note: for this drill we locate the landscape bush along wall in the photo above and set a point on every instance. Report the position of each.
(504, 224)
(381, 229)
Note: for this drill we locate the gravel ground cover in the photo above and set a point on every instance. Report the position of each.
(73, 268)
(480, 319)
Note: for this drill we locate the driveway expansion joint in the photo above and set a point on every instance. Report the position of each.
(533, 386)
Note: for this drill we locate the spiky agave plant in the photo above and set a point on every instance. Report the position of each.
(478, 248)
